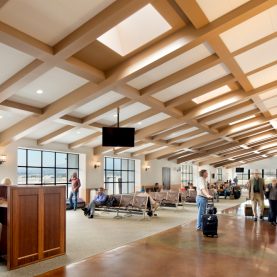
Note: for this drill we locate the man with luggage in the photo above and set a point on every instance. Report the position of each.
(256, 194)
(202, 197)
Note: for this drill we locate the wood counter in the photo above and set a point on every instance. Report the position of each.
(35, 224)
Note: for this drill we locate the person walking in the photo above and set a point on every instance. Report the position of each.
(271, 192)
(256, 194)
(202, 197)
(75, 185)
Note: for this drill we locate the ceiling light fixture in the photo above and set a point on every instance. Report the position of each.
(1, 116)
(264, 156)
(39, 91)
(241, 120)
(244, 146)
(231, 159)
(256, 152)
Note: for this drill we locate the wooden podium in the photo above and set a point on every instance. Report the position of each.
(35, 224)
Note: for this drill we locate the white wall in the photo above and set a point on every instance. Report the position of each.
(154, 174)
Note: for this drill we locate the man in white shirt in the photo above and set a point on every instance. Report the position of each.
(202, 197)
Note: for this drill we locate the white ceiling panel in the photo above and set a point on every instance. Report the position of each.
(134, 149)
(214, 9)
(74, 135)
(157, 149)
(97, 104)
(251, 30)
(45, 130)
(95, 142)
(273, 111)
(268, 94)
(55, 84)
(176, 134)
(38, 18)
(191, 138)
(8, 119)
(258, 56)
(152, 120)
(193, 82)
(190, 57)
(238, 112)
(271, 103)
(263, 77)
(11, 61)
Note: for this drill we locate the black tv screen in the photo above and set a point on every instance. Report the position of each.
(239, 169)
(118, 137)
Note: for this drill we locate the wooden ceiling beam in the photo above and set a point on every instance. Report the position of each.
(193, 12)
(12, 105)
(55, 135)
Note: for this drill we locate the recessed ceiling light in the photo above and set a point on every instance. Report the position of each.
(39, 91)
(244, 146)
(115, 115)
(231, 159)
(241, 120)
(264, 156)
(1, 116)
(139, 123)
(256, 152)
(78, 132)
(212, 94)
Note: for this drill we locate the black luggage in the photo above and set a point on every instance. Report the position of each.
(210, 221)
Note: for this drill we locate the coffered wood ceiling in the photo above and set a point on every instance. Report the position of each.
(211, 44)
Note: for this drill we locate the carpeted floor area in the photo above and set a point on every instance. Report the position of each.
(88, 237)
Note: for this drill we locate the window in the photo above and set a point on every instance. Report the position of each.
(119, 175)
(187, 174)
(219, 174)
(36, 167)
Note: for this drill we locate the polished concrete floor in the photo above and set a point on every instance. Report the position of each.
(243, 248)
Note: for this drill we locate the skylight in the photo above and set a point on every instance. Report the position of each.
(212, 94)
(135, 31)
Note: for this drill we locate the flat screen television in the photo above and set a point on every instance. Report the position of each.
(239, 169)
(118, 137)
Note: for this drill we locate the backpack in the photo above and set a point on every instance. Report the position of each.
(112, 202)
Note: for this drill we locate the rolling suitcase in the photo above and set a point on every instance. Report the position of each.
(210, 221)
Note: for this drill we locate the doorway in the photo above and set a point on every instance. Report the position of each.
(166, 172)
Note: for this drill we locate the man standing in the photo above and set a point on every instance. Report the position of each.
(75, 185)
(256, 193)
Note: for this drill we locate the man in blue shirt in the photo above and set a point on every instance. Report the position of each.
(99, 200)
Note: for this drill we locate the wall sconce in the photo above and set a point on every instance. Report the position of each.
(147, 167)
(97, 165)
(3, 158)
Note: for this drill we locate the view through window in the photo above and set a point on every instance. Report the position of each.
(119, 175)
(46, 167)
(186, 174)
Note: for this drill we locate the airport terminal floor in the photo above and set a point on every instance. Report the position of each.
(243, 248)
(166, 245)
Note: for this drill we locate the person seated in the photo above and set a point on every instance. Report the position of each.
(99, 200)
(191, 187)
(152, 204)
(157, 187)
(183, 188)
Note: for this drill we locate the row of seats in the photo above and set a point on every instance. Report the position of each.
(128, 204)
